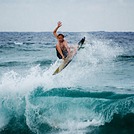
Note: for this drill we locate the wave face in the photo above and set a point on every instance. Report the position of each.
(94, 94)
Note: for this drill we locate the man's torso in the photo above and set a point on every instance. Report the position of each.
(62, 45)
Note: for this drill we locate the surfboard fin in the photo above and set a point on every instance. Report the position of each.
(81, 41)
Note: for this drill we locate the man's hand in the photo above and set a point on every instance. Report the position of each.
(63, 58)
(59, 24)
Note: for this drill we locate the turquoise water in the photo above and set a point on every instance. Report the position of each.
(94, 94)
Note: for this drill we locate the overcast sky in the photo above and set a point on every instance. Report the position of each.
(76, 15)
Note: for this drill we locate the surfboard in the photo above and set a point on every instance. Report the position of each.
(69, 58)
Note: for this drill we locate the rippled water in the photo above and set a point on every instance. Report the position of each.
(93, 94)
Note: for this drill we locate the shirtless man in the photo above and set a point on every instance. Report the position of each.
(62, 47)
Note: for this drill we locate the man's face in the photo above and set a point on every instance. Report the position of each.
(60, 39)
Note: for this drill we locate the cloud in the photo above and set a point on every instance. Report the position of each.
(77, 15)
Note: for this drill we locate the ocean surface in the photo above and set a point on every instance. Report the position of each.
(94, 94)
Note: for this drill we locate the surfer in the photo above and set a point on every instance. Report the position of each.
(62, 47)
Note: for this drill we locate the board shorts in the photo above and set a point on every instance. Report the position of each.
(65, 53)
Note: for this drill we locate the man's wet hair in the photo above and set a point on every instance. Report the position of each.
(61, 35)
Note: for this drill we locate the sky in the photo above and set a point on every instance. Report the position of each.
(75, 15)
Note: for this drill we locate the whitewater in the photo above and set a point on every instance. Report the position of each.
(94, 94)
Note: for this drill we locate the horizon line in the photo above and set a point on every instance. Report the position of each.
(64, 31)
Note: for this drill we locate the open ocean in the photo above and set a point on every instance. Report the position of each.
(94, 94)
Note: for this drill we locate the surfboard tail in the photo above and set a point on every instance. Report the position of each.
(81, 42)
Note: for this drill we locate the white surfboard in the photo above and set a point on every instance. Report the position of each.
(69, 58)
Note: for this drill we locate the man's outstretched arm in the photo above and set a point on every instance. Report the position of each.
(55, 30)
(67, 47)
